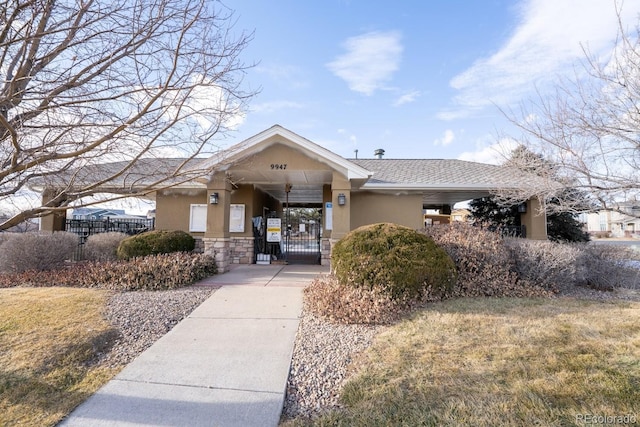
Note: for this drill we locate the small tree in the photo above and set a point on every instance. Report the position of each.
(499, 210)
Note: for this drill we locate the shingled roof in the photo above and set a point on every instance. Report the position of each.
(442, 173)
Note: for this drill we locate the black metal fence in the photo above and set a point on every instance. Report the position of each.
(88, 227)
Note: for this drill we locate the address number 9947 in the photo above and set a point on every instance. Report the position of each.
(281, 166)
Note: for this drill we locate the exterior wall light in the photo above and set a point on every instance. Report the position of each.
(213, 198)
(522, 207)
(342, 199)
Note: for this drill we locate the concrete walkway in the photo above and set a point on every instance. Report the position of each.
(226, 364)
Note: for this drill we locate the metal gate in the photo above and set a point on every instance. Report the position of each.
(300, 232)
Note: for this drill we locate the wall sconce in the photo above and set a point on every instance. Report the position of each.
(342, 199)
(213, 198)
(522, 207)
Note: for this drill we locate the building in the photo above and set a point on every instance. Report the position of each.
(609, 223)
(279, 195)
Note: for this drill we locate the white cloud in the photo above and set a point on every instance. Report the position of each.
(407, 98)
(446, 139)
(370, 60)
(493, 153)
(546, 43)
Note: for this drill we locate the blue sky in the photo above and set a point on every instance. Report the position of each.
(420, 79)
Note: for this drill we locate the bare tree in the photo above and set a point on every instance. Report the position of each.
(143, 85)
(589, 130)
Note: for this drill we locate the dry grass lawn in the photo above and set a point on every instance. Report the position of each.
(507, 362)
(48, 338)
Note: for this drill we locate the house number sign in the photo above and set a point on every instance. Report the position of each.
(280, 166)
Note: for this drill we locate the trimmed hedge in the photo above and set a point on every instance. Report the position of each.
(398, 260)
(154, 243)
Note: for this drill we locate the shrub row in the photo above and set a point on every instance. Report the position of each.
(155, 272)
(46, 251)
(368, 265)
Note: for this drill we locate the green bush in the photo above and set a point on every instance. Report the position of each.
(155, 242)
(103, 246)
(36, 251)
(398, 260)
(155, 272)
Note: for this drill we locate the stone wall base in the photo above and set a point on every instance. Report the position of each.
(241, 250)
(219, 249)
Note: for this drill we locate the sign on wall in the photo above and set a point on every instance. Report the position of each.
(274, 230)
(236, 219)
(328, 216)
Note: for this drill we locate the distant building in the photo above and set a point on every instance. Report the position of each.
(460, 215)
(96, 213)
(612, 223)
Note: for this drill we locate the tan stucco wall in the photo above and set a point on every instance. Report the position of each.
(173, 208)
(371, 208)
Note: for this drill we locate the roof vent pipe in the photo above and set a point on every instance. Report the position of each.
(379, 153)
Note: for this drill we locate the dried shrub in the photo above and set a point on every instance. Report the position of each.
(155, 242)
(37, 251)
(155, 272)
(4, 236)
(608, 267)
(326, 297)
(549, 264)
(485, 265)
(394, 259)
(103, 246)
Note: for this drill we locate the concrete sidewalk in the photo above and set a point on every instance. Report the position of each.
(226, 364)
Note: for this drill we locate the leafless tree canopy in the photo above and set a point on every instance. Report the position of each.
(589, 129)
(86, 82)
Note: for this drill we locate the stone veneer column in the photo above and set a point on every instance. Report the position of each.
(219, 249)
(217, 241)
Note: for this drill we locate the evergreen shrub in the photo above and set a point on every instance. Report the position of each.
(398, 260)
(155, 242)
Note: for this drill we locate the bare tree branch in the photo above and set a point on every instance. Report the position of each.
(589, 129)
(127, 82)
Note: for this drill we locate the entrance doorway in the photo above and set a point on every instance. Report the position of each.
(297, 240)
(302, 233)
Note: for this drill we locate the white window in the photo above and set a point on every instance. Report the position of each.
(198, 218)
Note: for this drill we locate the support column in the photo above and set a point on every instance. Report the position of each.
(217, 241)
(54, 221)
(535, 220)
(341, 213)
